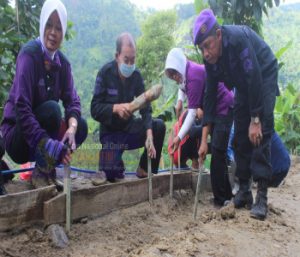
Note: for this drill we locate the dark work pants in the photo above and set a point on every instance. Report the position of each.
(189, 150)
(218, 168)
(49, 116)
(253, 161)
(115, 143)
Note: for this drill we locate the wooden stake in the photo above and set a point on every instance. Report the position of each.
(201, 167)
(149, 179)
(67, 192)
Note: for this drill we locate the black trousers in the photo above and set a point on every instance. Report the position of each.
(49, 116)
(218, 168)
(189, 150)
(115, 143)
(253, 161)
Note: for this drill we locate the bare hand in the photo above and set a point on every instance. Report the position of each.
(150, 147)
(123, 110)
(69, 137)
(203, 149)
(175, 144)
(255, 133)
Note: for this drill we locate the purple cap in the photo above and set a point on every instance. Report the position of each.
(203, 25)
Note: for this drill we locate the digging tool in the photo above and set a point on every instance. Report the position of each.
(67, 191)
(172, 169)
(201, 167)
(149, 179)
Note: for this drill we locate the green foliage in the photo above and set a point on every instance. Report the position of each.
(287, 117)
(279, 29)
(15, 30)
(155, 43)
(200, 5)
(243, 12)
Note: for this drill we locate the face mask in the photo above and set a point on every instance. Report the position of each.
(126, 70)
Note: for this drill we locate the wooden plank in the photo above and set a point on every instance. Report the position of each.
(103, 199)
(23, 208)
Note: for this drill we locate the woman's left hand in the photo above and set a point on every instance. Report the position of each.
(69, 138)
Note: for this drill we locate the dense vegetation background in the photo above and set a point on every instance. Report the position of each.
(96, 24)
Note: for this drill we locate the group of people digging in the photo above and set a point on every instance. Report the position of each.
(235, 57)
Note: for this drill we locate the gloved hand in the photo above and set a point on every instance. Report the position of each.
(49, 153)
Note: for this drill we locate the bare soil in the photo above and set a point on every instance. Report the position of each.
(167, 229)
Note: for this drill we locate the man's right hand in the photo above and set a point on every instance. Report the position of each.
(202, 152)
(123, 110)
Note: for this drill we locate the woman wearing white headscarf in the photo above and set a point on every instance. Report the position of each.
(191, 78)
(33, 128)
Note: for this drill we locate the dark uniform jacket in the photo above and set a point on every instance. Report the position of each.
(110, 90)
(248, 64)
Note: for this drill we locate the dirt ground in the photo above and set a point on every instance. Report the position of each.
(167, 229)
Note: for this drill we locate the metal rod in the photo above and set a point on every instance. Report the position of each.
(197, 190)
(67, 191)
(172, 169)
(149, 179)
(179, 156)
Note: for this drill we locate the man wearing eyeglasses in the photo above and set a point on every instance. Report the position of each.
(237, 56)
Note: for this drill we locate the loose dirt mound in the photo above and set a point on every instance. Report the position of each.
(167, 229)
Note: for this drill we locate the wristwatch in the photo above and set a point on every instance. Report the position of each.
(255, 120)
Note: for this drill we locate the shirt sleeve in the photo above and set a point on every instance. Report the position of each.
(210, 99)
(70, 99)
(181, 96)
(187, 124)
(251, 73)
(24, 91)
(101, 111)
(147, 110)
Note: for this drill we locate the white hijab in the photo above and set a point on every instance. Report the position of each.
(177, 60)
(48, 8)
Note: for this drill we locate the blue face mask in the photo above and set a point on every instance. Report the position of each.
(126, 70)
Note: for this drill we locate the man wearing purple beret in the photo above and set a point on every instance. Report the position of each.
(237, 56)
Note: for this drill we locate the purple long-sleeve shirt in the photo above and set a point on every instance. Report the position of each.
(195, 86)
(29, 91)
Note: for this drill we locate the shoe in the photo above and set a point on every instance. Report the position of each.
(99, 178)
(141, 173)
(39, 179)
(2, 190)
(260, 208)
(244, 197)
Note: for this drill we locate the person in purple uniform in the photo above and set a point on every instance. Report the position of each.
(237, 56)
(32, 126)
(191, 79)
